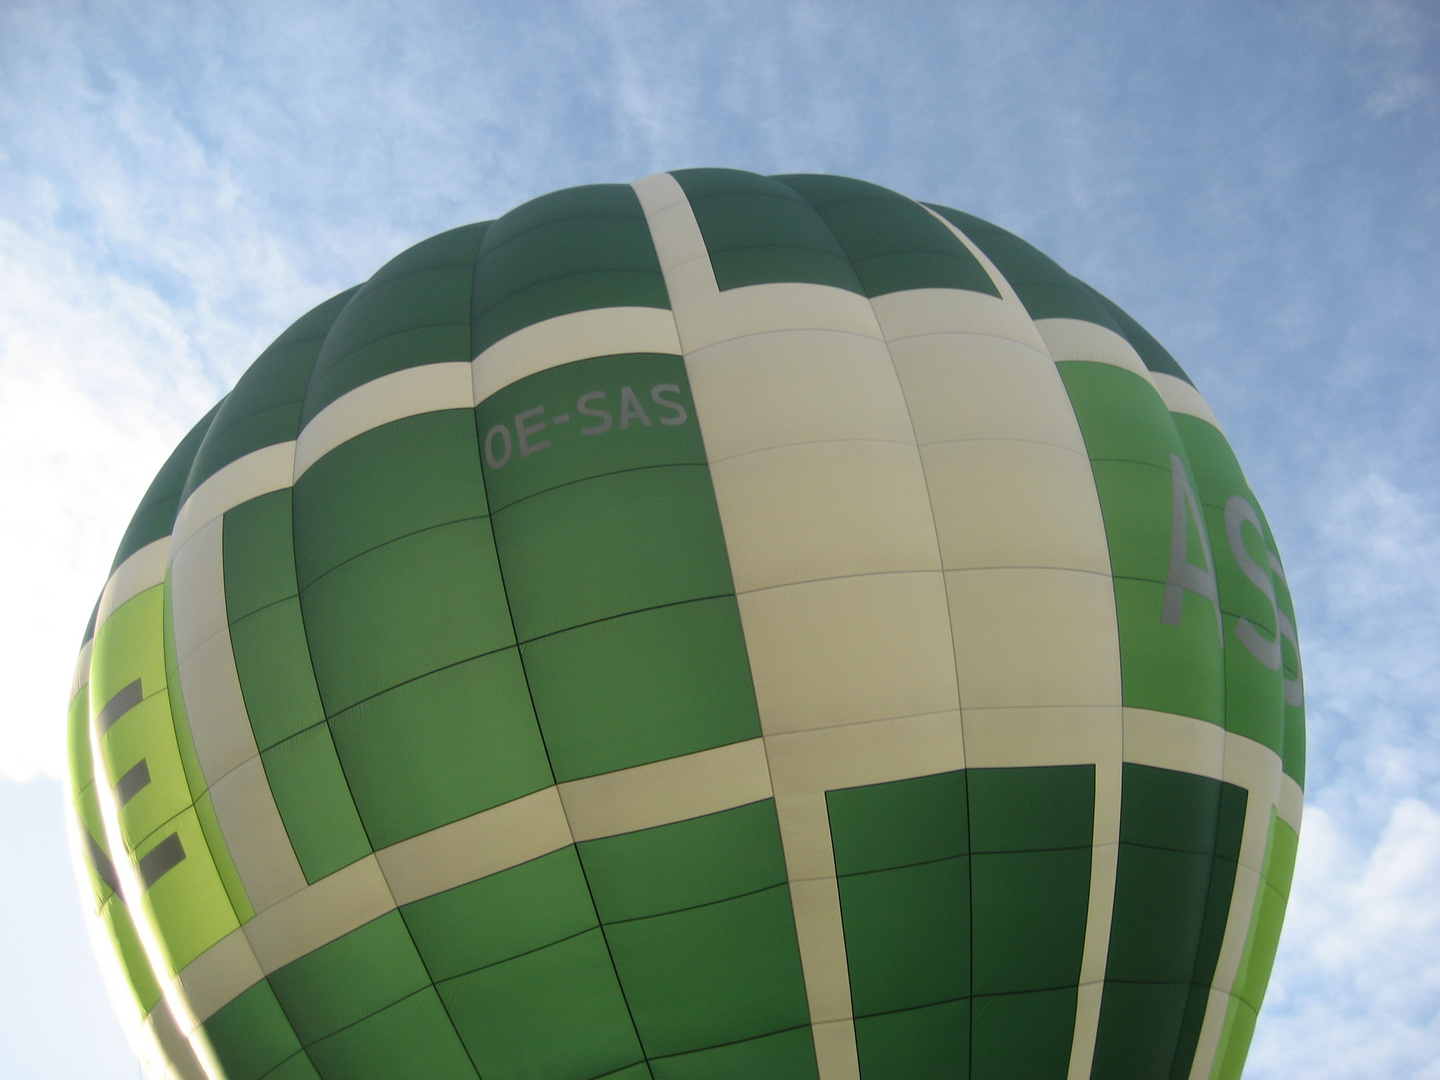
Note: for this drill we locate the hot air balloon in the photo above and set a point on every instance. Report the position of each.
(716, 626)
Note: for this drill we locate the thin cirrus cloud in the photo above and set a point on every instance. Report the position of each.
(1257, 184)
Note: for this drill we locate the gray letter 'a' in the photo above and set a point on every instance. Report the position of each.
(1184, 576)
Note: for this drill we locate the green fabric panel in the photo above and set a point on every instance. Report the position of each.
(259, 554)
(555, 1013)
(224, 864)
(1150, 350)
(1031, 809)
(77, 741)
(907, 935)
(179, 716)
(188, 905)
(272, 658)
(1029, 910)
(1159, 908)
(643, 687)
(394, 480)
(412, 606)
(1281, 869)
(1047, 291)
(1235, 1042)
(130, 646)
(1162, 808)
(899, 823)
(414, 311)
(758, 231)
(639, 1071)
(785, 1055)
(1140, 1028)
(685, 864)
(1131, 437)
(502, 916)
(1293, 758)
(314, 802)
(264, 407)
(125, 939)
(1207, 955)
(585, 247)
(155, 517)
(251, 1035)
(586, 419)
(410, 1040)
(349, 978)
(296, 1067)
(892, 242)
(712, 974)
(442, 747)
(1015, 1036)
(148, 735)
(611, 545)
(930, 1042)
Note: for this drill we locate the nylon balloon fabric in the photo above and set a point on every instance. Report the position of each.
(716, 626)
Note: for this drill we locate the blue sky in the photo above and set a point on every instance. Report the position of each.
(1258, 183)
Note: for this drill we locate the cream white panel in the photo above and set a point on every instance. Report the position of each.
(676, 234)
(197, 583)
(334, 905)
(1007, 292)
(1168, 741)
(220, 974)
(1076, 339)
(1237, 929)
(1257, 769)
(1007, 738)
(416, 390)
(567, 338)
(143, 570)
(1210, 1031)
(662, 792)
(1087, 1026)
(968, 386)
(835, 1054)
(476, 846)
(913, 312)
(849, 649)
(818, 510)
(1034, 637)
(759, 309)
(1005, 503)
(216, 708)
(789, 387)
(821, 935)
(1180, 397)
(256, 836)
(248, 478)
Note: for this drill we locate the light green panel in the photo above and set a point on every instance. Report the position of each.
(188, 905)
(146, 734)
(139, 975)
(129, 646)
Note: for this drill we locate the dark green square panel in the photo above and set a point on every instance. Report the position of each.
(1174, 669)
(931, 1043)
(765, 265)
(712, 974)
(1159, 909)
(259, 554)
(502, 916)
(612, 545)
(1164, 808)
(250, 1034)
(1029, 911)
(1122, 417)
(643, 687)
(1139, 1031)
(411, 1040)
(413, 606)
(1023, 1036)
(350, 978)
(442, 747)
(589, 418)
(391, 481)
(272, 659)
(907, 935)
(553, 1014)
(1031, 809)
(685, 864)
(899, 823)
(314, 802)
(785, 1055)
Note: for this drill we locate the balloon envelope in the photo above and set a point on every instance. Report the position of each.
(718, 626)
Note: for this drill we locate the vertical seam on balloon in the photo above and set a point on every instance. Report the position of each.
(544, 744)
